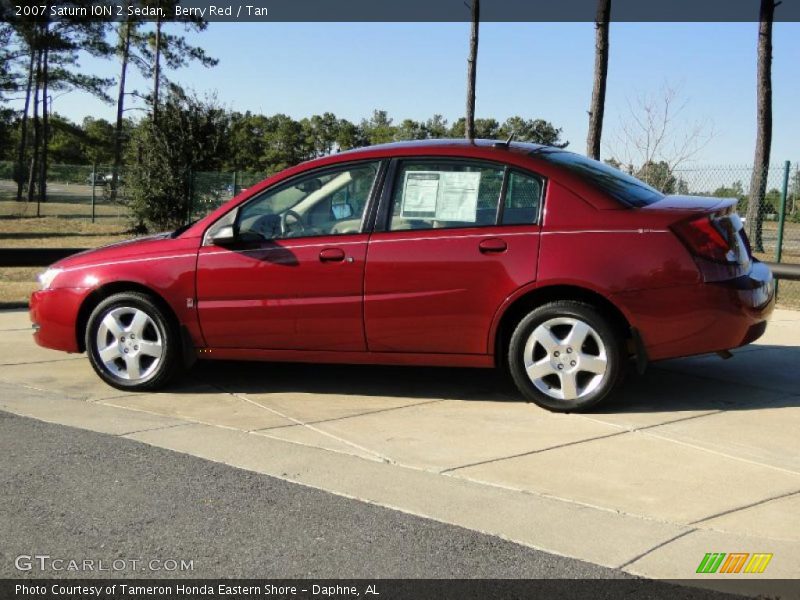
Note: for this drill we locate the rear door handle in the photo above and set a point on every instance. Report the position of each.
(331, 255)
(492, 245)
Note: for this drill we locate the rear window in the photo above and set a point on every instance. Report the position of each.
(619, 185)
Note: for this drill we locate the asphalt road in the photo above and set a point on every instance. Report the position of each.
(74, 494)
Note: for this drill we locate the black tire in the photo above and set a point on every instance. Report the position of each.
(604, 342)
(161, 331)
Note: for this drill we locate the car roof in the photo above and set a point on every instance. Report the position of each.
(399, 147)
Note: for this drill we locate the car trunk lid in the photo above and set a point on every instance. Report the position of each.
(692, 203)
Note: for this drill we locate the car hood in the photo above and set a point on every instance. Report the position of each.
(117, 250)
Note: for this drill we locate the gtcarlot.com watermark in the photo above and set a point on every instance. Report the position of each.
(44, 563)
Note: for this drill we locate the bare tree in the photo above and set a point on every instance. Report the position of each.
(23, 141)
(45, 74)
(472, 70)
(125, 32)
(597, 107)
(758, 182)
(655, 134)
(164, 50)
(37, 129)
(157, 68)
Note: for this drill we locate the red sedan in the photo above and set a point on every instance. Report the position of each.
(558, 268)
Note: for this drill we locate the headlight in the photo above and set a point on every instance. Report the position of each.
(46, 279)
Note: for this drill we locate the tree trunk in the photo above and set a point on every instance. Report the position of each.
(157, 71)
(125, 38)
(758, 182)
(23, 137)
(597, 108)
(32, 172)
(45, 117)
(472, 66)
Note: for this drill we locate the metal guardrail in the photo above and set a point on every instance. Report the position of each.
(34, 257)
(43, 257)
(785, 271)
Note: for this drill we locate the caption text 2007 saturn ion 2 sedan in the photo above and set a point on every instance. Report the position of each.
(560, 269)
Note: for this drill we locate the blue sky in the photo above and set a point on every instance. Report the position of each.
(536, 70)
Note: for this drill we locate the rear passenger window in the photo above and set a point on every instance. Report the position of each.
(523, 196)
(434, 195)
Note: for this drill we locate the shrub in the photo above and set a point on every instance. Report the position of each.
(163, 156)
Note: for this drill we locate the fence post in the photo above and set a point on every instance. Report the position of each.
(782, 212)
(94, 183)
(191, 196)
(235, 182)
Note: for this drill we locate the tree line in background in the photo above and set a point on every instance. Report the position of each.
(249, 141)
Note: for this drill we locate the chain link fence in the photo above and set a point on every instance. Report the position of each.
(84, 192)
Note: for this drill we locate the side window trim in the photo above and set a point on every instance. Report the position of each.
(501, 204)
(373, 197)
(375, 202)
(383, 214)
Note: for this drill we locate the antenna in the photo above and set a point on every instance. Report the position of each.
(505, 144)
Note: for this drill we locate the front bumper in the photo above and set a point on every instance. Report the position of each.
(54, 314)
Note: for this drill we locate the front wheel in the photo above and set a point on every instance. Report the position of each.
(566, 356)
(132, 344)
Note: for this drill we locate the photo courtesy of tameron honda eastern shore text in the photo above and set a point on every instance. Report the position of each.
(559, 269)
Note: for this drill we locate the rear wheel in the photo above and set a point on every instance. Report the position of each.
(132, 343)
(566, 356)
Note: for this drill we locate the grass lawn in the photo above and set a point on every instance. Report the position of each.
(49, 232)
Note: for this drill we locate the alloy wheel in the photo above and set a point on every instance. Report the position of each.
(565, 358)
(129, 343)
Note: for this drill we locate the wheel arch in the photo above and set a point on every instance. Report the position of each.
(109, 289)
(520, 306)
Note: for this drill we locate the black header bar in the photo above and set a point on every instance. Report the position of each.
(397, 11)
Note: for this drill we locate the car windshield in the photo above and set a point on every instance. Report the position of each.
(616, 183)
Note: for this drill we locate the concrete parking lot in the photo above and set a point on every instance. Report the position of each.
(698, 455)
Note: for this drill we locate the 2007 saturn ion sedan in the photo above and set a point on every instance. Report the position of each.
(560, 269)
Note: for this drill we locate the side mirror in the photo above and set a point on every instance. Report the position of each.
(224, 236)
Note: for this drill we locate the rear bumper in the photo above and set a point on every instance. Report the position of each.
(756, 289)
(54, 314)
(702, 318)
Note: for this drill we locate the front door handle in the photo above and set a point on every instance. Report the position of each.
(492, 245)
(331, 255)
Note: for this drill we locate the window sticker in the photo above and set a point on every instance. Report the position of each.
(420, 190)
(441, 195)
(458, 197)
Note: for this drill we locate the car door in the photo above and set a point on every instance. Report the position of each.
(454, 239)
(292, 278)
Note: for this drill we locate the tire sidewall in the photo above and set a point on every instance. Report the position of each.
(165, 328)
(609, 335)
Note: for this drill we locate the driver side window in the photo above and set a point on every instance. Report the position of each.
(330, 202)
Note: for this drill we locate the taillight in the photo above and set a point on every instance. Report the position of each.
(703, 238)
